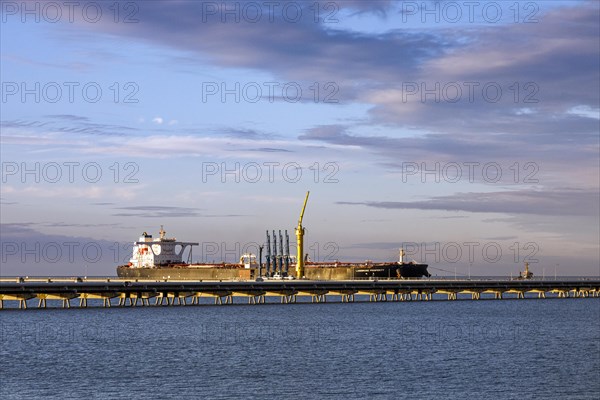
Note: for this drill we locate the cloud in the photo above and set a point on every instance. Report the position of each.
(501, 238)
(26, 250)
(28, 62)
(67, 117)
(87, 137)
(157, 212)
(243, 133)
(550, 157)
(559, 54)
(69, 130)
(378, 7)
(4, 202)
(553, 62)
(69, 225)
(270, 150)
(565, 202)
(168, 212)
(585, 111)
(49, 191)
(546, 67)
(322, 51)
(375, 246)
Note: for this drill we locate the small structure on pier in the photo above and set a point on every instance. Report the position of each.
(526, 274)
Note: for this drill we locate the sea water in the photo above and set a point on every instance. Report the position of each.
(486, 349)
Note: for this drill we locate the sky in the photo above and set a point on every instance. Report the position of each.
(465, 132)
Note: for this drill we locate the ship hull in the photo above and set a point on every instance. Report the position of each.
(361, 271)
(392, 271)
(327, 273)
(187, 273)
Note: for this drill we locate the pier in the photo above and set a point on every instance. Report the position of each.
(26, 293)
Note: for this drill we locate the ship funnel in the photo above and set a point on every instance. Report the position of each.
(401, 260)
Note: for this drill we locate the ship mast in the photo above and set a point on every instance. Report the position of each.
(300, 241)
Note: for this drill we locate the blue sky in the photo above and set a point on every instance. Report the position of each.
(129, 115)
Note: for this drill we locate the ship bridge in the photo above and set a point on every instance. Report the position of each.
(148, 252)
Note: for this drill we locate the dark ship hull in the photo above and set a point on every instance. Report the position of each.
(392, 271)
(345, 271)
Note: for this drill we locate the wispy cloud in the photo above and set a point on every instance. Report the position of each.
(543, 202)
(90, 192)
(157, 212)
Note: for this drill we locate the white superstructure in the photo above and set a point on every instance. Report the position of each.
(148, 252)
(248, 260)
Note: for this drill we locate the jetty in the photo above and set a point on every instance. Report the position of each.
(22, 293)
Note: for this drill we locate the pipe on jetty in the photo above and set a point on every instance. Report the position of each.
(281, 255)
(275, 254)
(268, 272)
(287, 252)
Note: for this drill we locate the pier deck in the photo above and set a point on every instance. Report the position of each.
(121, 292)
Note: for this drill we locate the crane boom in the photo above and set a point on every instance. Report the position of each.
(303, 208)
(300, 242)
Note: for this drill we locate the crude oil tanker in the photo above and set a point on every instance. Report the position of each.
(162, 258)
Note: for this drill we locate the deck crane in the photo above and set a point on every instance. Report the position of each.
(300, 242)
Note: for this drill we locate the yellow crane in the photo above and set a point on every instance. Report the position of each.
(300, 242)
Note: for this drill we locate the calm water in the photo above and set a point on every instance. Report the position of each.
(481, 349)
